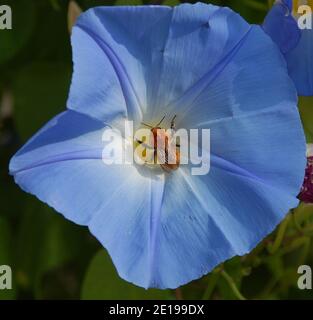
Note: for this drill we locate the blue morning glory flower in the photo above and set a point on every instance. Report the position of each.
(295, 43)
(211, 69)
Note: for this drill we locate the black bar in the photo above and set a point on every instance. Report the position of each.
(152, 309)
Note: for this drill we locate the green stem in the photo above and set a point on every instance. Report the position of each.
(232, 285)
(268, 288)
(304, 251)
(255, 5)
(297, 243)
(279, 236)
(295, 221)
(211, 286)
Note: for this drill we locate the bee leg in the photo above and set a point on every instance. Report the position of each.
(165, 168)
(173, 123)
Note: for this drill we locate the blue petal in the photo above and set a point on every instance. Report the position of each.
(115, 57)
(257, 169)
(95, 88)
(250, 106)
(300, 64)
(280, 25)
(260, 144)
(128, 227)
(296, 44)
(62, 165)
(252, 78)
(200, 37)
(210, 221)
(288, 3)
(122, 59)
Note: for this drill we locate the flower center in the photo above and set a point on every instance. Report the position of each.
(155, 146)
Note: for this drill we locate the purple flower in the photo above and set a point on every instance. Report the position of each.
(306, 194)
(296, 44)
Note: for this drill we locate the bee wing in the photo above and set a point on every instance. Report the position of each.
(172, 157)
(172, 138)
(171, 134)
(162, 156)
(150, 156)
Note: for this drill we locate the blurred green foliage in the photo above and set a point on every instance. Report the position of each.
(52, 258)
(102, 282)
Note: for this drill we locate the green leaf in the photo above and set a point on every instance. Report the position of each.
(253, 11)
(5, 255)
(102, 282)
(51, 41)
(55, 4)
(256, 5)
(171, 3)
(276, 266)
(303, 213)
(128, 2)
(306, 112)
(40, 92)
(23, 22)
(45, 241)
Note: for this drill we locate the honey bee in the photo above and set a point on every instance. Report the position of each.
(167, 158)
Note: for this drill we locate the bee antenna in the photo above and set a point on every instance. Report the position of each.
(147, 125)
(160, 121)
(173, 122)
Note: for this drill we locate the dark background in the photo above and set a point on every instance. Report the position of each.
(52, 258)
